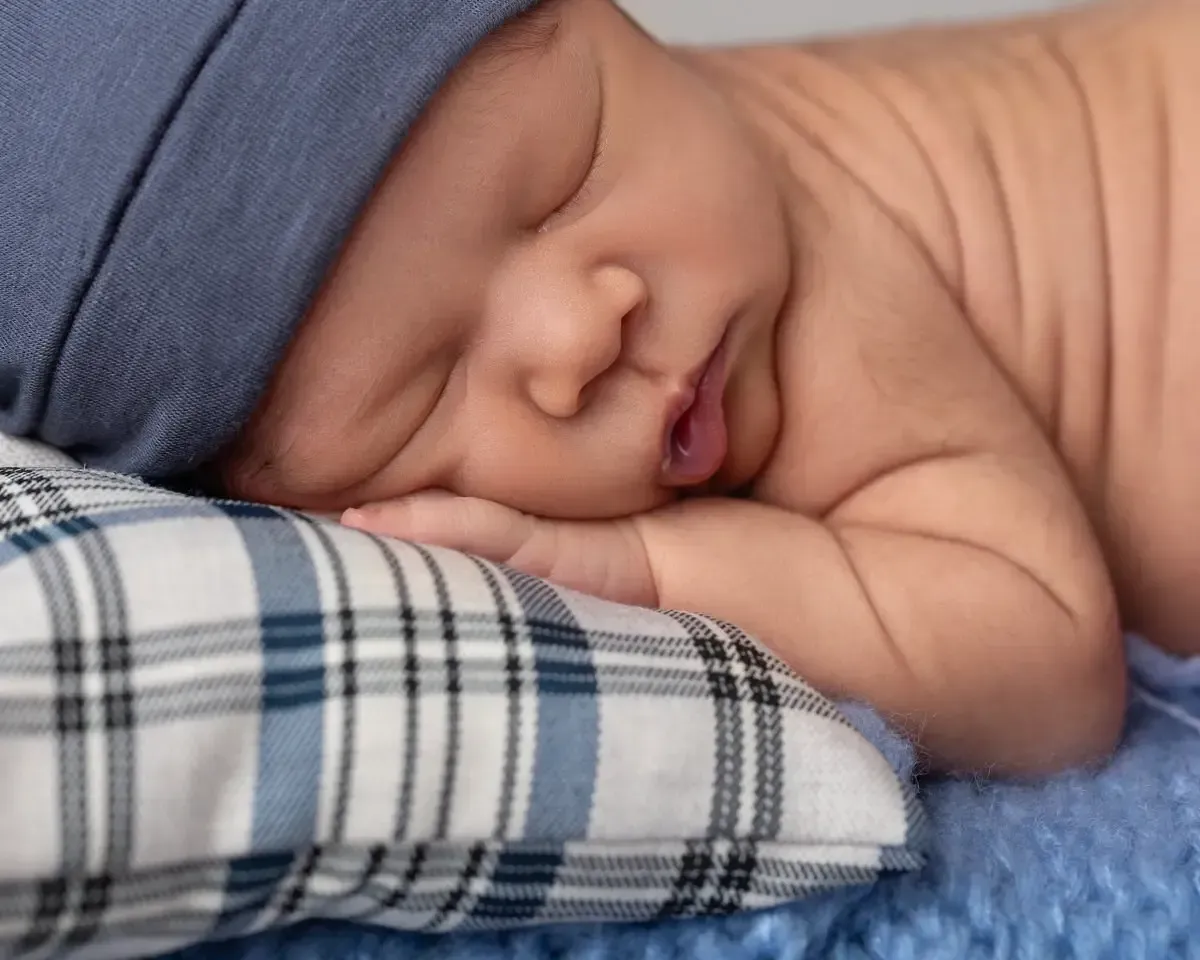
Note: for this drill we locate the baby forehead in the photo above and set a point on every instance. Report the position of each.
(536, 31)
(495, 63)
(531, 32)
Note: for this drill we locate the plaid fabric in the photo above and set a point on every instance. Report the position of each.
(216, 717)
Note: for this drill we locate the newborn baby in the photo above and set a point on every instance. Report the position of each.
(880, 348)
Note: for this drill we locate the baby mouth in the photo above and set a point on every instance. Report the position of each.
(697, 439)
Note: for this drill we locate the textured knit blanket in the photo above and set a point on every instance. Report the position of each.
(1085, 866)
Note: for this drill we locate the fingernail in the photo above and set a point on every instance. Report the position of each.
(354, 518)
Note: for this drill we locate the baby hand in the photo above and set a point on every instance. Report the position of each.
(605, 558)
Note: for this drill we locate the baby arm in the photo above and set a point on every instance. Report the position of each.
(957, 596)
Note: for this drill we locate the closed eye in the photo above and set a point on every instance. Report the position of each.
(584, 190)
(595, 164)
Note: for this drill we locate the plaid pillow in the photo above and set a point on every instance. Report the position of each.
(217, 717)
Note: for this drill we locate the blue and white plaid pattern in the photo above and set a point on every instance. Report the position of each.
(217, 717)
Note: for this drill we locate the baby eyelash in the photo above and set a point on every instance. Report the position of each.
(593, 171)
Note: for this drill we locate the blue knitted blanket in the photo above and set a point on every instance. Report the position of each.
(1086, 866)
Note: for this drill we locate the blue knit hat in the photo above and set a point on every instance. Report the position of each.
(176, 177)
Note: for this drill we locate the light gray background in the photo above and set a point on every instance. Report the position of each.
(706, 21)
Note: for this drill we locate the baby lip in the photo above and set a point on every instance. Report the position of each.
(680, 405)
(696, 440)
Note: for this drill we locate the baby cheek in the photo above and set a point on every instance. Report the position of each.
(588, 468)
(521, 475)
(281, 478)
(561, 485)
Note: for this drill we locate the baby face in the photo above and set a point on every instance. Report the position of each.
(563, 295)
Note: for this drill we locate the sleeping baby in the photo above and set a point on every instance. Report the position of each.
(882, 348)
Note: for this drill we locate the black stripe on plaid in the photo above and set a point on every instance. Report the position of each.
(713, 880)
(293, 890)
(729, 761)
(346, 678)
(172, 700)
(74, 724)
(382, 886)
(411, 685)
(54, 902)
(72, 493)
(453, 692)
(695, 867)
(246, 891)
(513, 687)
(119, 723)
(376, 857)
(517, 888)
(729, 877)
(399, 894)
(793, 691)
(455, 906)
(736, 871)
(768, 739)
(53, 897)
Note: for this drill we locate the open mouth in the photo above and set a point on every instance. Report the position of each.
(696, 438)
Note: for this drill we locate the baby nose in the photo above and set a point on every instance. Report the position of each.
(582, 339)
